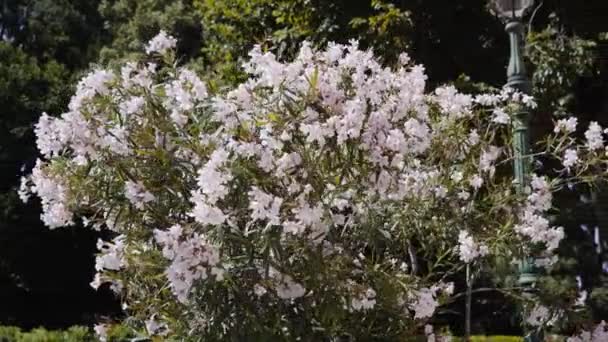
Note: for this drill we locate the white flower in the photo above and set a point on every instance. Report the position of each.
(487, 159)
(131, 106)
(456, 176)
(48, 138)
(532, 222)
(111, 255)
(364, 301)
(473, 138)
(259, 290)
(570, 158)
(420, 135)
(287, 163)
(94, 83)
(53, 195)
(161, 43)
(137, 194)
(528, 101)
(205, 213)
(115, 139)
(288, 289)
(464, 195)
(469, 250)
(424, 304)
(154, 327)
(184, 95)
(594, 137)
(295, 228)
(24, 190)
(212, 180)
(501, 117)
(566, 125)
(453, 102)
(192, 258)
(476, 181)
(538, 316)
(285, 286)
(264, 206)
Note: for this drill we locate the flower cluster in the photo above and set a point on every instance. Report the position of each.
(161, 43)
(468, 249)
(53, 195)
(534, 224)
(192, 259)
(111, 258)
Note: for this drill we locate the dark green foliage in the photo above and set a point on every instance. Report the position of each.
(66, 31)
(231, 28)
(44, 274)
(559, 61)
(131, 23)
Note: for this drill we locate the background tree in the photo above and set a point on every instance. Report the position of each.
(132, 22)
(44, 46)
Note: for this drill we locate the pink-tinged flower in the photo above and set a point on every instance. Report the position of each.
(566, 125)
(161, 43)
(594, 136)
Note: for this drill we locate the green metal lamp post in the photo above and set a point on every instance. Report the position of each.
(512, 11)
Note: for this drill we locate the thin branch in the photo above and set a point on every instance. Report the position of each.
(533, 15)
(413, 259)
(485, 289)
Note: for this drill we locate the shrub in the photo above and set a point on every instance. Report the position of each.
(73, 334)
(325, 197)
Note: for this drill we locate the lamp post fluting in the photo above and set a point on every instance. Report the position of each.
(517, 78)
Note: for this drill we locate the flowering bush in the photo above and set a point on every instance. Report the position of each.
(322, 197)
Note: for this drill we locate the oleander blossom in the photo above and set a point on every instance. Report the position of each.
(155, 327)
(327, 181)
(533, 224)
(53, 195)
(364, 300)
(111, 257)
(570, 158)
(501, 116)
(161, 43)
(192, 258)
(137, 194)
(566, 125)
(594, 136)
(286, 287)
(425, 301)
(469, 250)
(538, 316)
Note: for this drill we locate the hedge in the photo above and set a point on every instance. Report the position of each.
(73, 334)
